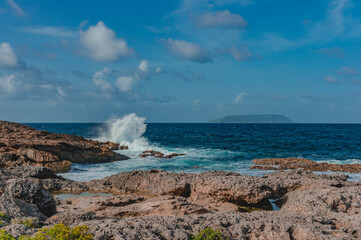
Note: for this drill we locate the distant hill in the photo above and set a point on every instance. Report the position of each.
(253, 118)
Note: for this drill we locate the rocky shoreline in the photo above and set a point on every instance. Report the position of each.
(157, 204)
(21, 145)
(290, 204)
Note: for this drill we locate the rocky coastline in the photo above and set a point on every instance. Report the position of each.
(291, 203)
(155, 204)
(21, 145)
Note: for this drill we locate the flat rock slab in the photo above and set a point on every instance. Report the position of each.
(295, 163)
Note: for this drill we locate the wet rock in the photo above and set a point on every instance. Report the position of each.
(155, 154)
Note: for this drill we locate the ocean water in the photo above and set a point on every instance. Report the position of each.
(228, 147)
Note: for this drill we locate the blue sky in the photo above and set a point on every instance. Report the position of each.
(179, 61)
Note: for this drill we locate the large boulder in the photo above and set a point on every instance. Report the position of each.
(16, 208)
(30, 192)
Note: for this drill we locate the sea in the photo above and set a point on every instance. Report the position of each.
(211, 146)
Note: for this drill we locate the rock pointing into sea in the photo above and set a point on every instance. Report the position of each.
(21, 145)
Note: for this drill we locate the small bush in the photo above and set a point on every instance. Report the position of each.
(5, 236)
(2, 223)
(209, 234)
(3, 216)
(27, 222)
(61, 232)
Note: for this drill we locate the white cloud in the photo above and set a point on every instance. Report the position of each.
(60, 93)
(187, 50)
(50, 31)
(103, 45)
(347, 71)
(8, 84)
(239, 97)
(331, 79)
(8, 57)
(144, 66)
(99, 80)
(125, 83)
(18, 10)
(220, 19)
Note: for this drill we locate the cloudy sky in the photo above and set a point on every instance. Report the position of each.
(180, 61)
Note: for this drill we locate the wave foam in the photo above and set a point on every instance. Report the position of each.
(127, 131)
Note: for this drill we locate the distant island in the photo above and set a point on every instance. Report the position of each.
(253, 118)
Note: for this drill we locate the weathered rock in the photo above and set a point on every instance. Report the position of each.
(21, 145)
(16, 208)
(151, 153)
(214, 187)
(31, 193)
(294, 163)
(156, 204)
(17, 230)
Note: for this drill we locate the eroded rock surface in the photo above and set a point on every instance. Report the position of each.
(157, 204)
(295, 163)
(21, 145)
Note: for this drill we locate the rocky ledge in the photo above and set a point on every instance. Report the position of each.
(155, 204)
(21, 145)
(294, 163)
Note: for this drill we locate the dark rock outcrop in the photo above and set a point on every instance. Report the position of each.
(33, 193)
(21, 145)
(151, 153)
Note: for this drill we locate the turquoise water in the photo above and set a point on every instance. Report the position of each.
(228, 147)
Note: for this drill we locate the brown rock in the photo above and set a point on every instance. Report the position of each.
(24, 146)
(295, 163)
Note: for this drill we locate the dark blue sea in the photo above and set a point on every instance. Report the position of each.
(229, 147)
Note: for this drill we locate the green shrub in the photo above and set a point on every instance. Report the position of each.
(209, 234)
(5, 236)
(27, 222)
(3, 223)
(61, 232)
(3, 216)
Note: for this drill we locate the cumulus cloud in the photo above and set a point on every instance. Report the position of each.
(220, 19)
(331, 79)
(15, 7)
(346, 71)
(50, 31)
(332, 52)
(125, 83)
(144, 66)
(8, 57)
(8, 84)
(187, 50)
(239, 97)
(103, 45)
(110, 82)
(99, 80)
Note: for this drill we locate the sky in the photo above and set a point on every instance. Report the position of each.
(180, 60)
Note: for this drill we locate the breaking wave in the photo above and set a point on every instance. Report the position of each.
(127, 131)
